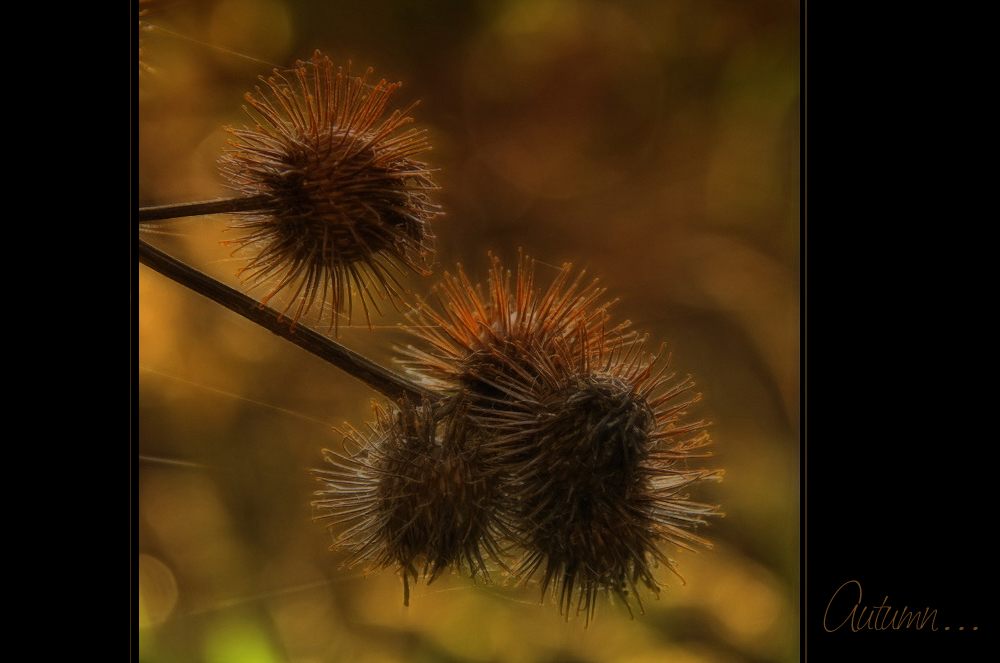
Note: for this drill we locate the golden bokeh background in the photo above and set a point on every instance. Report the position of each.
(653, 143)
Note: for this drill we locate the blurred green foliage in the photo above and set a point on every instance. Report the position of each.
(654, 144)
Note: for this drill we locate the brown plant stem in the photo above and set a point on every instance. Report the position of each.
(217, 206)
(377, 377)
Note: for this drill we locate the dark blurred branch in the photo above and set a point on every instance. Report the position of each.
(375, 376)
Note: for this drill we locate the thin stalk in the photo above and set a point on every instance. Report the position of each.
(217, 206)
(377, 377)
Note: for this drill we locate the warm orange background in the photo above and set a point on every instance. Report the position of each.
(654, 144)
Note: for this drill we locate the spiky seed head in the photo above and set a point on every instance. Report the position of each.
(598, 474)
(416, 495)
(468, 340)
(345, 205)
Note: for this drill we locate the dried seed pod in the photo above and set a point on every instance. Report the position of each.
(343, 199)
(585, 427)
(416, 494)
(468, 340)
(597, 472)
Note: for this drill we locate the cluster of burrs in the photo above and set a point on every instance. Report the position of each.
(541, 442)
(556, 453)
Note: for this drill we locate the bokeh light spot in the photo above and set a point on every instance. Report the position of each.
(157, 591)
(238, 641)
